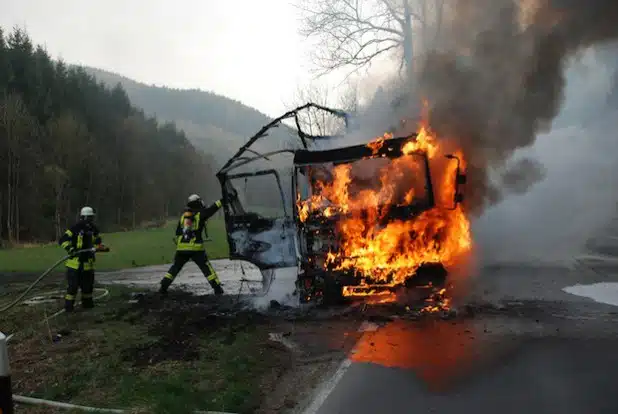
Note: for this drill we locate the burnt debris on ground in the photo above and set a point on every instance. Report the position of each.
(179, 320)
(183, 313)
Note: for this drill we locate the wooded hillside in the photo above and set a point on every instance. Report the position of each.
(215, 124)
(67, 140)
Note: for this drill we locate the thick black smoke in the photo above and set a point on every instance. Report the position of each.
(498, 80)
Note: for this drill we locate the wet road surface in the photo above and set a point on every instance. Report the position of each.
(530, 347)
(190, 278)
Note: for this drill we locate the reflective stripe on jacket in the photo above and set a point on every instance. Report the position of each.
(82, 235)
(191, 226)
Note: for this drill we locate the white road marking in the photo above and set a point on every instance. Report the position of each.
(605, 292)
(327, 387)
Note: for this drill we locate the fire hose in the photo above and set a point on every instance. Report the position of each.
(40, 278)
(56, 404)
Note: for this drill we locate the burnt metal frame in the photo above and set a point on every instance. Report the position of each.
(259, 173)
(238, 159)
(382, 152)
(227, 179)
(385, 151)
(274, 123)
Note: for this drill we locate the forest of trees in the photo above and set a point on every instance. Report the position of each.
(214, 123)
(67, 140)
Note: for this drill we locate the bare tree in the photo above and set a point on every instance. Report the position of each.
(349, 99)
(353, 33)
(319, 122)
(313, 120)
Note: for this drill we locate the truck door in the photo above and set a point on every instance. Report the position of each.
(258, 219)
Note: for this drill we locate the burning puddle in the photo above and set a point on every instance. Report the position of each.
(437, 352)
(440, 345)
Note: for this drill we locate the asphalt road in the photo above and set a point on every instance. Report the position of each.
(533, 348)
(530, 347)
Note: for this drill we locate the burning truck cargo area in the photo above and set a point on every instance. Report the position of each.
(356, 221)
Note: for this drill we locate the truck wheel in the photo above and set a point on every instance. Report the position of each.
(332, 292)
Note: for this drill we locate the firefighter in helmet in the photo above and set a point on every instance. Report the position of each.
(81, 241)
(190, 243)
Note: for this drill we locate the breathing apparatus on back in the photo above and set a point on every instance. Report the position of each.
(194, 203)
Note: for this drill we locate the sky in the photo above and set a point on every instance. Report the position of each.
(248, 50)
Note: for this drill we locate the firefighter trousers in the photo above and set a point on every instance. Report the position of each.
(201, 260)
(79, 279)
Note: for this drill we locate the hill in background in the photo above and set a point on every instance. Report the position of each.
(66, 140)
(213, 123)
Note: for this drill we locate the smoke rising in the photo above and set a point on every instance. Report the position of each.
(553, 220)
(524, 172)
(497, 80)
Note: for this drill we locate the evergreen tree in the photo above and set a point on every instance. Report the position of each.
(67, 140)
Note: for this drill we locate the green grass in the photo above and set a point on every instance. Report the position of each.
(134, 356)
(128, 249)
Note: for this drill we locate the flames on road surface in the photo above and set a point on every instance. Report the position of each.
(391, 253)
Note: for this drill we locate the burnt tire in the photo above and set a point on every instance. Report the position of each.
(332, 292)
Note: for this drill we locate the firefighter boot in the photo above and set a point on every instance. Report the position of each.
(165, 284)
(217, 288)
(69, 305)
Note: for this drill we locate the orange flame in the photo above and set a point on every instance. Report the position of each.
(376, 144)
(391, 253)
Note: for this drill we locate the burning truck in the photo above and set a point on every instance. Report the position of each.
(358, 220)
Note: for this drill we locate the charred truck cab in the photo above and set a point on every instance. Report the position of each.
(270, 226)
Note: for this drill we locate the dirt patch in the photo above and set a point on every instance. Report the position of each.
(136, 351)
(162, 350)
(182, 323)
(310, 343)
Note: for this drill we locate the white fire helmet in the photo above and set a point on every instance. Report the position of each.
(193, 197)
(86, 212)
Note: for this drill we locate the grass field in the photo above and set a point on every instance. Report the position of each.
(153, 356)
(128, 249)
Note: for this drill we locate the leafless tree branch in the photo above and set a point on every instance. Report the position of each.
(315, 120)
(353, 32)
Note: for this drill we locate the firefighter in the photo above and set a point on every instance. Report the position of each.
(80, 268)
(190, 243)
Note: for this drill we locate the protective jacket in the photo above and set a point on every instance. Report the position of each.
(83, 235)
(191, 225)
